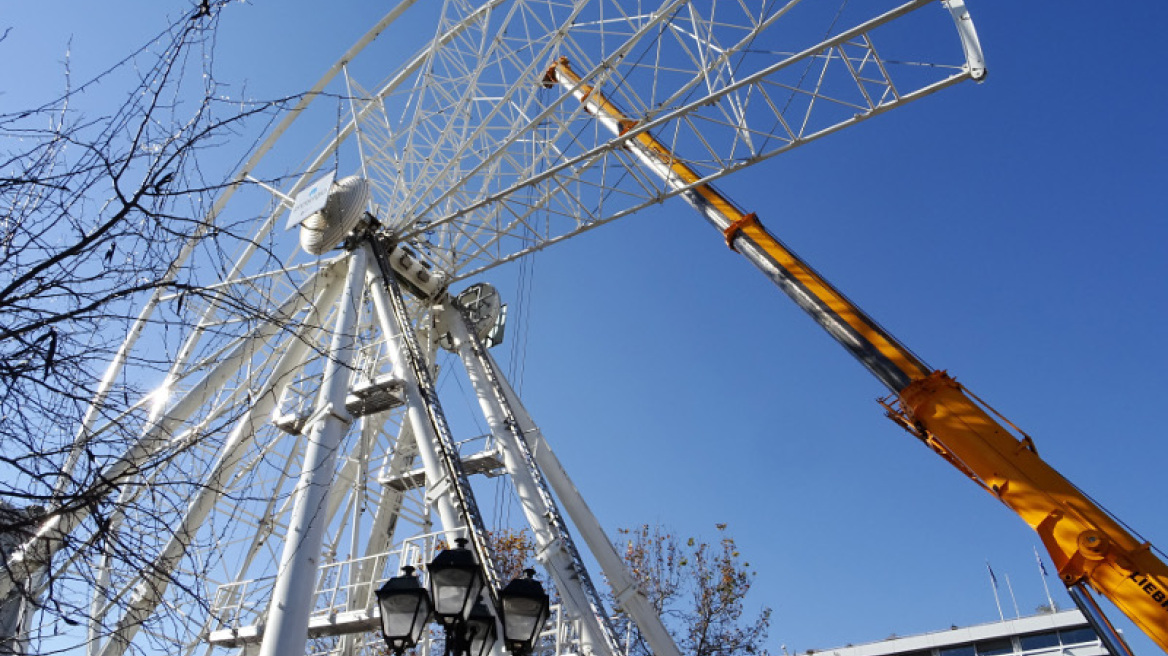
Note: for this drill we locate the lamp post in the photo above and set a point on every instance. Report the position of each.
(456, 584)
(525, 609)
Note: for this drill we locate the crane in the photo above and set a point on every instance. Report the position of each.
(1090, 548)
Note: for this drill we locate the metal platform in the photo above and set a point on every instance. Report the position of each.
(378, 395)
(484, 462)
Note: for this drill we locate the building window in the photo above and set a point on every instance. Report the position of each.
(1044, 640)
(1077, 636)
(959, 650)
(997, 647)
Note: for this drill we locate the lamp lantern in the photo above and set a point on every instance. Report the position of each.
(455, 583)
(525, 609)
(405, 610)
(480, 631)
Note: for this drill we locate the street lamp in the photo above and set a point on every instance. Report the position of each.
(480, 633)
(455, 583)
(405, 611)
(525, 609)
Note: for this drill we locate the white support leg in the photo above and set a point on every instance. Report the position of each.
(25, 562)
(627, 594)
(292, 598)
(424, 437)
(417, 368)
(148, 592)
(553, 542)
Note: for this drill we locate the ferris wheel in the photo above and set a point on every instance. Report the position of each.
(299, 448)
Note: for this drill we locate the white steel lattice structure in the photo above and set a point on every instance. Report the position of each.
(296, 452)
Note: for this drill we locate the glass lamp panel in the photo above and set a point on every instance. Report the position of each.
(402, 615)
(454, 591)
(522, 618)
(480, 629)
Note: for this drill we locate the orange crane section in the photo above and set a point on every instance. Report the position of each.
(1087, 545)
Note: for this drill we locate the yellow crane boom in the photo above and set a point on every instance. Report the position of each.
(1087, 545)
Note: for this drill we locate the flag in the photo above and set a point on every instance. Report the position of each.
(1042, 570)
(993, 578)
(1041, 567)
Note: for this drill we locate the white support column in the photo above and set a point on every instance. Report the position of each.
(627, 594)
(292, 598)
(26, 561)
(424, 438)
(153, 581)
(553, 543)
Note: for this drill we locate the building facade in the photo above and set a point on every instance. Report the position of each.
(1064, 633)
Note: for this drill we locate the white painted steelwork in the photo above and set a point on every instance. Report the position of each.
(473, 160)
(555, 548)
(287, 626)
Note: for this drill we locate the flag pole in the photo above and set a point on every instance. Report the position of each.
(1010, 587)
(994, 584)
(1042, 571)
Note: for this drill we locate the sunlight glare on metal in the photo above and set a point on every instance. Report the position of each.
(159, 398)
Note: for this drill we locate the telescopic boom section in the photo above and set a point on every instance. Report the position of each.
(1086, 544)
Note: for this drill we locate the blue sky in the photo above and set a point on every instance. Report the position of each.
(1010, 232)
